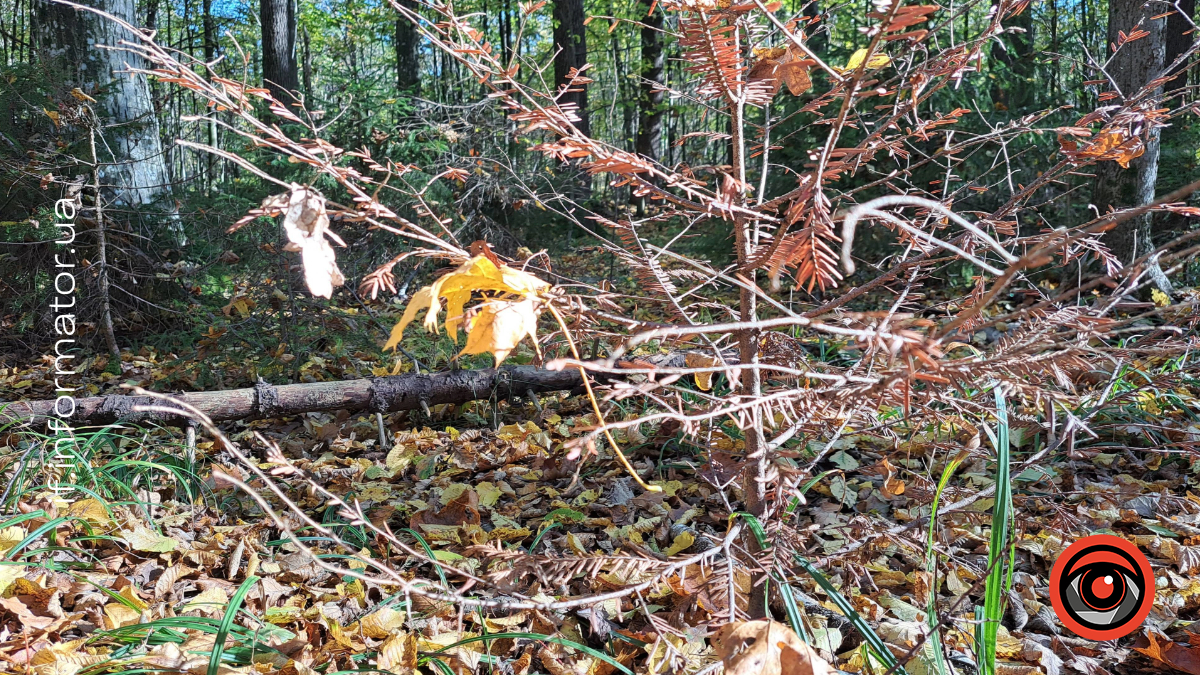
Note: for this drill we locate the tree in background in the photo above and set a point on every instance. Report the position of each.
(570, 43)
(279, 47)
(1015, 52)
(1139, 57)
(1178, 38)
(408, 67)
(652, 92)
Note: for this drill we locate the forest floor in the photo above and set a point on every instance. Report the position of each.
(157, 562)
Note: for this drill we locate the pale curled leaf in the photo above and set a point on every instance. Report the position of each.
(143, 538)
(307, 225)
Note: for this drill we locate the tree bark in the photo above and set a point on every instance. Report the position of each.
(210, 55)
(1133, 65)
(1178, 39)
(570, 44)
(650, 113)
(382, 394)
(1013, 87)
(408, 65)
(307, 68)
(279, 48)
(135, 175)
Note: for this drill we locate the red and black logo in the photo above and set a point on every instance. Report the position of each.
(1102, 587)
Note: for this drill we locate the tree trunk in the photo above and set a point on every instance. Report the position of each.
(106, 322)
(570, 44)
(408, 66)
(279, 48)
(650, 103)
(1013, 87)
(1178, 39)
(210, 55)
(307, 69)
(1131, 67)
(135, 175)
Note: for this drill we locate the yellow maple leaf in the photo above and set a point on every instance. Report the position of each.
(11, 536)
(681, 543)
(857, 58)
(500, 325)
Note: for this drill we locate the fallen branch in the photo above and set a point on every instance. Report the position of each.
(264, 401)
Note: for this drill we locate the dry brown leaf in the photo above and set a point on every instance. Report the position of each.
(766, 647)
(461, 510)
(795, 76)
(209, 602)
(703, 380)
(167, 580)
(1178, 656)
(117, 615)
(398, 654)
(380, 624)
(142, 538)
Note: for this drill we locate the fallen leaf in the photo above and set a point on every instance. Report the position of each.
(117, 615)
(766, 647)
(703, 380)
(682, 543)
(142, 538)
(209, 602)
(1178, 656)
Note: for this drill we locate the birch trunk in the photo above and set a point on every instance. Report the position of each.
(134, 168)
(1130, 68)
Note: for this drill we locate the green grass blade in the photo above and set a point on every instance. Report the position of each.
(785, 589)
(429, 552)
(537, 540)
(994, 593)
(442, 666)
(33, 536)
(109, 592)
(874, 642)
(793, 611)
(235, 604)
(40, 513)
(935, 635)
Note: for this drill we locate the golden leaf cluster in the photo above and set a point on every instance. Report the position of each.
(510, 311)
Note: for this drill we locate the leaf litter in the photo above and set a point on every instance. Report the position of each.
(500, 515)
